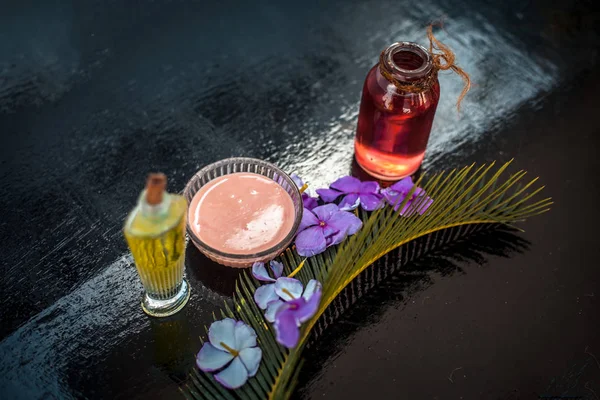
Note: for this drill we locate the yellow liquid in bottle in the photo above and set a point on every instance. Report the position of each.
(157, 243)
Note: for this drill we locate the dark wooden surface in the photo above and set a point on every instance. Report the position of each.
(94, 94)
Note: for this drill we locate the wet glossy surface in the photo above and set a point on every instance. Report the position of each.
(99, 93)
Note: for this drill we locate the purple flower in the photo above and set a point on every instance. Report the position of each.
(232, 344)
(272, 296)
(287, 303)
(297, 308)
(309, 202)
(267, 297)
(365, 194)
(396, 194)
(260, 272)
(324, 226)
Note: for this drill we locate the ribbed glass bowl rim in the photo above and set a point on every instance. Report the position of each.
(252, 161)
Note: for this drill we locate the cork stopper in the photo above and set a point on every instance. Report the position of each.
(155, 187)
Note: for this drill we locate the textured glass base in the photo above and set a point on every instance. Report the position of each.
(164, 308)
(385, 166)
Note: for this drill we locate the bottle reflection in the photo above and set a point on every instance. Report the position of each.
(357, 171)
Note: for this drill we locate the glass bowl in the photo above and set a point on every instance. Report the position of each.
(243, 164)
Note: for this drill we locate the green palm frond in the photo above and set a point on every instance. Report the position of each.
(469, 196)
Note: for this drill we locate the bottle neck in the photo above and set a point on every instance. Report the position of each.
(154, 211)
(406, 63)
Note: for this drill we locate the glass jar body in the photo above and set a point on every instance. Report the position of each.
(394, 123)
(157, 242)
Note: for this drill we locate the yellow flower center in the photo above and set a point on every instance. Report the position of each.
(231, 351)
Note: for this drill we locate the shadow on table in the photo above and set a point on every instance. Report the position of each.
(174, 339)
(214, 276)
(396, 277)
(392, 279)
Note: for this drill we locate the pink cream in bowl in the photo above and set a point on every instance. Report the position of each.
(241, 217)
(241, 213)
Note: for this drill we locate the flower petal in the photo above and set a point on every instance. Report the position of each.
(425, 205)
(418, 192)
(264, 295)
(406, 210)
(309, 202)
(277, 268)
(325, 212)
(286, 328)
(371, 187)
(272, 309)
(312, 286)
(308, 219)
(335, 239)
(260, 272)
(297, 180)
(306, 309)
(233, 376)
(251, 358)
(222, 331)
(329, 231)
(328, 195)
(349, 202)
(345, 221)
(291, 286)
(393, 198)
(310, 241)
(347, 184)
(389, 193)
(420, 204)
(396, 198)
(403, 185)
(245, 336)
(371, 202)
(210, 358)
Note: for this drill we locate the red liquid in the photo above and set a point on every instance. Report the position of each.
(393, 127)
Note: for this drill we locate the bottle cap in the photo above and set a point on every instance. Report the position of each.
(155, 187)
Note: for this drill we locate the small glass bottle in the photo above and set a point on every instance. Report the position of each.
(155, 233)
(399, 99)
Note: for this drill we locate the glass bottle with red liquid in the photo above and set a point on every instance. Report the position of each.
(399, 99)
